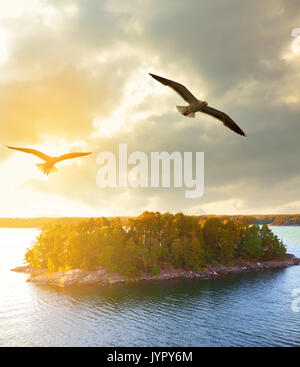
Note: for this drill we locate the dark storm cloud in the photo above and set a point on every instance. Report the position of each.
(225, 41)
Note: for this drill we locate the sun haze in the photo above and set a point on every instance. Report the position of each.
(76, 79)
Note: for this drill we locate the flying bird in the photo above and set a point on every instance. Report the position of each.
(50, 162)
(195, 105)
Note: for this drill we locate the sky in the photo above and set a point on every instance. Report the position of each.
(74, 76)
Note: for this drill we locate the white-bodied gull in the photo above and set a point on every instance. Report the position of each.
(195, 105)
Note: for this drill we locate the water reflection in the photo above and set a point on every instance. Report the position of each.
(249, 309)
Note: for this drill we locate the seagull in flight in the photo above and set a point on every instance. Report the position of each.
(50, 162)
(195, 105)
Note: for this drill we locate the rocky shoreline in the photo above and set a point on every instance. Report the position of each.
(81, 277)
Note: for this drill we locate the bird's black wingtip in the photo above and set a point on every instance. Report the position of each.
(241, 132)
(156, 77)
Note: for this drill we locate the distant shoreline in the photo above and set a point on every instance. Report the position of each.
(39, 223)
(39, 227)
(81, 277)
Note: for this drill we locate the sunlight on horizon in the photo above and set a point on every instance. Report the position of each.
(20, 200)
(33, 204)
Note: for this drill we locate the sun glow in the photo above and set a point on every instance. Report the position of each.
(56, 147)
(17, 174)
(3, 47)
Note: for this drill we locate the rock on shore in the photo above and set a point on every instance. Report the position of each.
(80, 277)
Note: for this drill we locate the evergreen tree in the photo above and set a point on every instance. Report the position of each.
(150, 242)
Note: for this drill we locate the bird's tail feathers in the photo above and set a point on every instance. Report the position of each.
(46, 169)
(184, 111)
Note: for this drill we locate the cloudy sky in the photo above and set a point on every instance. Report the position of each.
(74, 76)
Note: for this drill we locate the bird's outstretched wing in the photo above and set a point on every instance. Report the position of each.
(227, 121)
(39, 154)
(179, 88)
(70, 156)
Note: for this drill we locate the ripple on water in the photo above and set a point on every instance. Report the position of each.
(247, 310)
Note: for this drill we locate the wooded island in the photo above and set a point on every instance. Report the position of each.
(151, 242)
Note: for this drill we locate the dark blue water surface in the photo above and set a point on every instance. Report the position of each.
(253, 309)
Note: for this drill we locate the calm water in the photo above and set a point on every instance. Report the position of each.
(248, 310)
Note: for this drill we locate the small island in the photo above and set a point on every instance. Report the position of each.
(152, 246)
